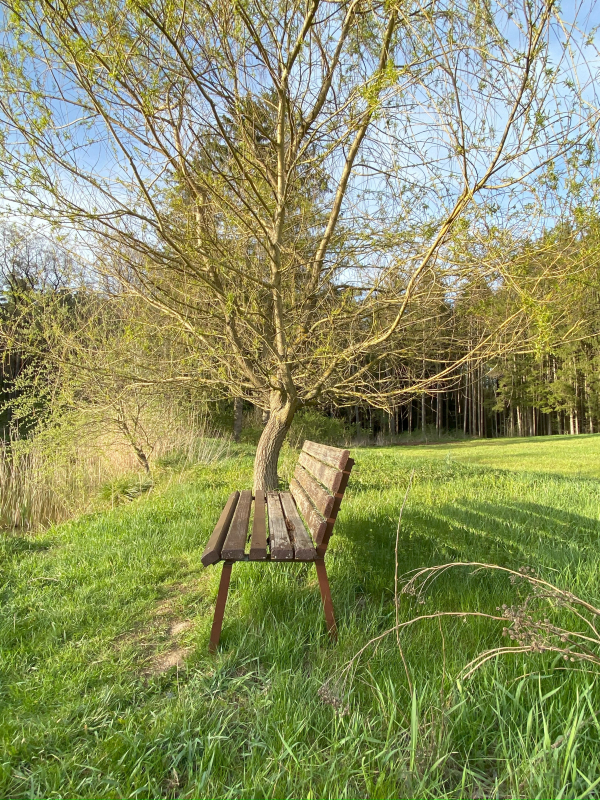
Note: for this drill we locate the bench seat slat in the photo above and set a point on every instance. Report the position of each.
(279, 541)
(314, 523)
(303, 547)
(334, 456)
(258, 543)
(212, 551)
(235, 543)
(319, 497)
(329, 477)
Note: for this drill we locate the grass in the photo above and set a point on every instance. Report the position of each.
(564, 455)
(107, 689)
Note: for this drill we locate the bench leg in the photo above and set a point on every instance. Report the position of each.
(326, 597)
(215, 633)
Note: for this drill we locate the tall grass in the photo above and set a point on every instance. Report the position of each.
(192, 445)
(51, 477)
(40, 485)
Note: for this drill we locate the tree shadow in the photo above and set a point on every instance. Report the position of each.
(512, 534)
(14, 543)
(521, 440)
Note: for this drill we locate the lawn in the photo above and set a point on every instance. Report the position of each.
(108, 689)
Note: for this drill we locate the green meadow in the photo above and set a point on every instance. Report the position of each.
(107, 688)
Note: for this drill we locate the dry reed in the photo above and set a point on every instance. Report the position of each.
(51, 477)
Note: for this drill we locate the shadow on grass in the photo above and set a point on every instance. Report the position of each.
(284, 600)
(524, 440)
(513, 534)
(17, 544)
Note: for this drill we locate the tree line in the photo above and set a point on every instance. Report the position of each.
(77, 347)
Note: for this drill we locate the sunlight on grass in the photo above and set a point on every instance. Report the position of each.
(565, 455)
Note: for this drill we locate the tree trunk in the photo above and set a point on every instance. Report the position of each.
(588, 405)
(479, 402)
(269, 445)
(238, 405)
(466, 403)
(141, 457)
(447, 410)
(423, 408)
(137, 448)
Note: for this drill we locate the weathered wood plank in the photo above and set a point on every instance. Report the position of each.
(281, 547)
(303, 547)
(258, 543)
(235, 543)
(320, 499)
(314, 523)
(322, 545)
(334, 456)
(212, 551)
(329, 477)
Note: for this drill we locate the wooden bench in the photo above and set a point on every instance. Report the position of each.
(299, 523)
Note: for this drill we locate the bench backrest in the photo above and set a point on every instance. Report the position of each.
(318, 486)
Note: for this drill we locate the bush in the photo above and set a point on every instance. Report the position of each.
(310, 423)
(126, 487)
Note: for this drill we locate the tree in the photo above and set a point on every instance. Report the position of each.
(284, 181)
(32, 269)
(559, 375)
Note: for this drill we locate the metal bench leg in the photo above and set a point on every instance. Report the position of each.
(326, 597)
(215, 633)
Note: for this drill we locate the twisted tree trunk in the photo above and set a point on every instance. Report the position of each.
(273, 436)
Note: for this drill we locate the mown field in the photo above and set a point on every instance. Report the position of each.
(107, 689)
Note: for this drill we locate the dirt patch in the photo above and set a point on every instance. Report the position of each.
(166, 607)
(163, 662)
(179, 627)
(161, 631)
(174, 593)
(175, 656)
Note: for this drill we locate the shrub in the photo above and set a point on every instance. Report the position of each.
(126, 487)
(310, 423)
